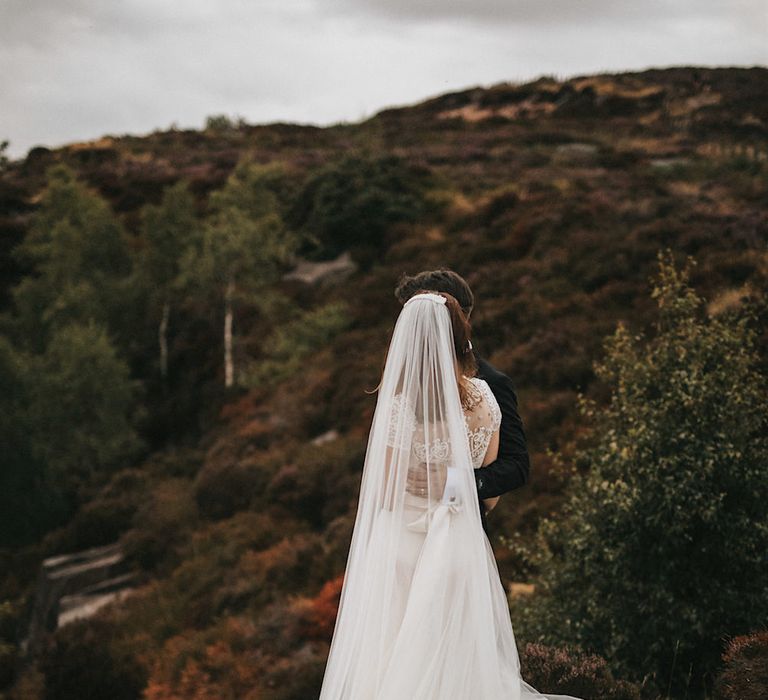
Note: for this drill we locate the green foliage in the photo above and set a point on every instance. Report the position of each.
(555, 253)
(169, 228)
(68, 401)
(289, 346)
(661, 549)
(354, 202)
(28, 504)
(244, 239)
(77, 249)
(3, 154)
(82, 406)
(245, 243)
(223, 123)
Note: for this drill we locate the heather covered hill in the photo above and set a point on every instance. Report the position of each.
(233, 505)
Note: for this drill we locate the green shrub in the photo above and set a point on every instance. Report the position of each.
(83, 406)
(287, 350)
(223, 123)
(29, 504)
(353, 203)
(660, 552)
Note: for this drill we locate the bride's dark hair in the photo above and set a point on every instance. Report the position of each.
(442, 280)
(462, 336)
(466, 365)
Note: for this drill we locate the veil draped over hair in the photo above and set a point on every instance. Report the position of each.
(422, 614)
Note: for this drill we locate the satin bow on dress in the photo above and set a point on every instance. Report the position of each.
(450, 502)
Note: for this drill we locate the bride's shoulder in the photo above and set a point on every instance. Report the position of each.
(486, 396)
(480, 385)
(478, 389)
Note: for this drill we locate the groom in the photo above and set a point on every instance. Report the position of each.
(511, 468)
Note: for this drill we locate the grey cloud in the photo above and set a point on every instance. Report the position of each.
(554, 12)
(77, 69)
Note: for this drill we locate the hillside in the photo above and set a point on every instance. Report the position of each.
(551, 198)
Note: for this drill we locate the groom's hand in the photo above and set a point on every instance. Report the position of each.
(419, 477)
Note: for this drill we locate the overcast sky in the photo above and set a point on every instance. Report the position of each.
(78, 69)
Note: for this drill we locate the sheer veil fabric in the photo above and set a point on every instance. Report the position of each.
(422, 614)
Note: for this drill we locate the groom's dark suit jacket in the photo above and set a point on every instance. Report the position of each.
(512, 466)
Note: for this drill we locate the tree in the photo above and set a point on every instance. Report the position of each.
(169, 229)
(68, 403)
(660, 553)
(77, 250)
(353, 203)
(29, 506)
(291, 343)
(223, 123)
(4, 154)
(244, 246)
(82, 406)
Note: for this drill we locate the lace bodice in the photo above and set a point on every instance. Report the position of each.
(481, 420)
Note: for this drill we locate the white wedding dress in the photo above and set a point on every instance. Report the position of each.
(423, 614)
(481, 421)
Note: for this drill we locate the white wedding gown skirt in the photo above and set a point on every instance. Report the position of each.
(423, 614)
(443, 637)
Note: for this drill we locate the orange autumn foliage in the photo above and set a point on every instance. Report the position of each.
(189, 668)
(317, 616)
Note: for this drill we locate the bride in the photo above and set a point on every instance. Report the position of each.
(423, 614)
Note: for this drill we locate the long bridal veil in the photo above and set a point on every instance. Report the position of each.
(422, 613)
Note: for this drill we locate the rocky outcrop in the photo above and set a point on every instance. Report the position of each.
(575, 154)
(326, 271)
(74, 586)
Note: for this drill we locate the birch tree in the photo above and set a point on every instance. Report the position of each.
(243, 248)
(169, 229)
